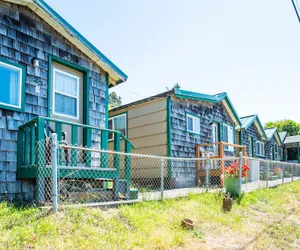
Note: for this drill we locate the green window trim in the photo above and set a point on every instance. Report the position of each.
(86, 91)
(86, 84)
(22, 69)
(169, 131)
(126, 124)
(193, 116)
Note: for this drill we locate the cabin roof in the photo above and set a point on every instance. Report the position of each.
(271, 132)
(283, 135)
(42, 9)
(292, 139)
(247, 121)
(184, 94)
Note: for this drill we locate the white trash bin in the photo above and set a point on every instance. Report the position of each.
(254, 171)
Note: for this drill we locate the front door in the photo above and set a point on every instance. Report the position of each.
(215, 138)
(67, 98)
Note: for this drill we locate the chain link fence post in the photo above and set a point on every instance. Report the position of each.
(207, 174)
(283, 173)
(240, 172)
(162, 179)
(54, 171)
(267, 174)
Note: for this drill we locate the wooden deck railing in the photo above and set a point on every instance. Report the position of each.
(38, 129)
(221, 155)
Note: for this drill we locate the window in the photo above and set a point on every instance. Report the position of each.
(260, 148)
(215, 133)
(119, 123)
(228, 136)
(250, 146)
(193, 124)
(12, 92)
(66, 94)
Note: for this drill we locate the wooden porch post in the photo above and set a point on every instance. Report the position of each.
(221, 153)
(197, 165)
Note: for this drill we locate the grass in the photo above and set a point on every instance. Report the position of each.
(265, 219)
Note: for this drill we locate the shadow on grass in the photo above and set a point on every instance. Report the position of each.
(24, 206)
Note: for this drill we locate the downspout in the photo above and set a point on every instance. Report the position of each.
(298, 153)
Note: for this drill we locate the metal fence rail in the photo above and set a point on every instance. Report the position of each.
(77, 175)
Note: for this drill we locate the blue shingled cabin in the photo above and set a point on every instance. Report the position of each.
(52, 80)
(253, 136)
(291, 147)
(274, 146)
(179, 123)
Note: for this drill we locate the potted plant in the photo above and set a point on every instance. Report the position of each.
(232, 177)
(277, 172)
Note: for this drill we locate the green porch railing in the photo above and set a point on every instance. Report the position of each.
(40, 128)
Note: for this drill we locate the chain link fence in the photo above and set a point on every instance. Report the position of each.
(77, 175)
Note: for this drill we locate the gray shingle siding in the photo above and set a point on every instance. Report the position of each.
(253, 132)
(24, 36)
(184, 143)
(268, 148)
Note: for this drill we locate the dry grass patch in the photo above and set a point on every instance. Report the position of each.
(265, 219)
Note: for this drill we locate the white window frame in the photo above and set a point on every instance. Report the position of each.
(226, 147)
(194, 119)
(113, 124)
(261, 148)
(55, 70)
(20, 85)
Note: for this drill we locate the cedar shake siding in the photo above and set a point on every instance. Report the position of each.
(24, 36)
(254, 133)
(268, 148)
(184, 143)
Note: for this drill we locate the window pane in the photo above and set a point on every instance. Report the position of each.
(10, 85)
(196, 125)
(66, 84)
(214, 131)
(189, 123)
(230, 137)
(225, 134)
(65, 105)
(250, 146)
(120, 124)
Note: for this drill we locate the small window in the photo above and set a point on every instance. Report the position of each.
(250, 146)
(12, 92)
(66, 94)
(260, 148)
(118, 123)
(228, 137)
(193, 124)
(215, 132)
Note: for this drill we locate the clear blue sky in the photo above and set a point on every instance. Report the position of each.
(249, 49)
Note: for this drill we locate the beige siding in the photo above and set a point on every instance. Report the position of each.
(157, 150)
(148, 130)
(158, 116)
(149, 141)
(147, 127)
(147, 108)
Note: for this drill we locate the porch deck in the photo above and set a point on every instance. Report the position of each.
(34, 153)
(218, 153)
